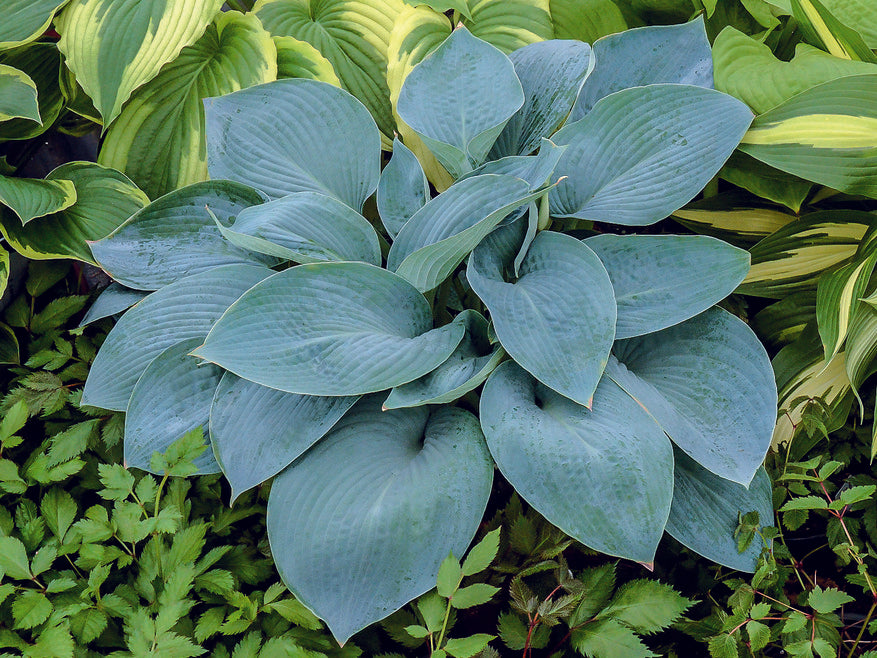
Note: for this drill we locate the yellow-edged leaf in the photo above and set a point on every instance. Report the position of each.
(510, 24)
(29, 198)
(18, 95)
(837, 298)
(299, 59)
(25, 20)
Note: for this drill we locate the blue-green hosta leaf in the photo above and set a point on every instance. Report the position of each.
(115, 46)
(172, 397)
(299, 59)
(614, 457)
(18, 95)
(443, 99)
(105, 198)
(551, 74)
(158, 139)
(586, 20)
(284, 137)
(113, 299)
(182, 310)
(827, 134)
(441, 234)
(360, 523)
(470, 364)
(331, 329)
(30, 198)
(306, 227)
(174, 236)
(535, 169)
(402, 190)
(509, 24)
(25, 20)
(706, 510)
(646, 56)
(708, 383)
(42, 63)
(257, 431)
(557, 320)
(661, 280)
(644, 152)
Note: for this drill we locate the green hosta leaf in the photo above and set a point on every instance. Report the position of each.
(614, 457)
(709, 385)
(158, 139)
(345, 329)
(706, 509)
(557, 320)
(30, 198)
(646, 606)
(442, 5)
(860, 14)
(25, 20)
(551, 74)
(111, 61)
(375, 507)
(467, 368)
(104, 199)
(172, 397)
(352, 34)
(837, 299)
(19, 95)
(175, 236)
(251, 139)
(402, 190)
(677, 137)
(644, 56)
(510, 24)
(861, 348)
(41, 62)
(827, 134)
(306, 227)
(782, 322)
(112, 300)
(13, 559)
(9, 348)
(585, 20)
(661, 280)
(820, 28)
(764, 181)
(299, 59)
(608, 639)
(4, 270)
(256, 431)
(443, 100)
(182, 310)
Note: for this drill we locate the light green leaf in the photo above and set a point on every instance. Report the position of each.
(158, 139)
(112, 300)
(256, 431)
(13, 420)
(18, 95)
(432, 608)
(402, 190)
(614, 457)
(30, 608)
(585, 20)
(482, 554)
(25, 20)
(477, 594)
(109, 62)
(59, 510)
(299, 59)
(13, 559)
(449, 576)
(510, 24)
(609, 639)
(646, 606)
(251, 139)
(346, 329)
(837, 300)
(30, 198)
(375, 507)
(41, 62)
(466, 647)
(827, 600)
(442, 5)
(764, 181)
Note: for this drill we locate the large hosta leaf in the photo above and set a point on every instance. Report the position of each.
(510, 24)
(837, 299)
(284, 137)
(174, 236)
(557, 320)
(359, 525)
(182, 310)
(706, 510)
(614, 457)
(41, 62)
(158, 139)
(676, 139)
(661, 280)
(861, 349)
(585, 20)
(646, 56)
(709, 385)
(25, 20)
(341, 329)
(257, 431)
(442, 99)
(299, 59)
(18, 95)
(31, 197)
(860, 14)
(172, 397)
(113, 299)
(114, 46)
(402, 190)
(105, 198)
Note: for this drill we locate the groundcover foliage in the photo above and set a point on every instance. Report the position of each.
(343, 358)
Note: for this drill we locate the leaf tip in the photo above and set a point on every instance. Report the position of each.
(649, 566)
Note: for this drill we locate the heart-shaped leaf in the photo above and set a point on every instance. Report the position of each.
(586, 20)
(510, 24)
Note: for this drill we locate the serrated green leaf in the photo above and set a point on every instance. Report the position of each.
(13, 559)
(30, 609)
(647, 606)
(608, 639)
(482, 554)
(432, 608)
(449, 576)
(467, 647)
(477, 594)
(828, 599)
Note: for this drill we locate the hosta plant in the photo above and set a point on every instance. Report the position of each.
(343, 355)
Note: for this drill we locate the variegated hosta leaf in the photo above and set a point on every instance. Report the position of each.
(175, 236)
(827, 134)
(765, 181)
(782, 322)
(662, 280)
(677, 138)
(18, 95)
(257, 431)
(838, 297)
(645, 56)
(299, 59)
(746, 68)
(510, 24)
(585, 20)
(352, 34)
(860, 14)
(821, 28)
(113, 299)
(861, 347)
(557, 320)
(284, 137)
(172, 397)
(709, 385)
(375, 507)
(546, 446)
(32, 197)
(4, 278)
(104, 199)
(733, 218)
(442, 99)
(341, 329)
(158, 139)
(41, 62)
(706, 511)
(25, 20)
(182, 310)
(793, 258)
(402, 190)
(115, 46)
